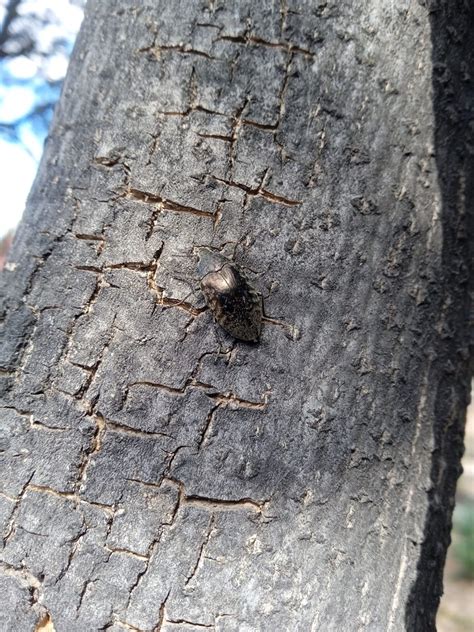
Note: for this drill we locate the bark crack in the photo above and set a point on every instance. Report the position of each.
(200, 557)
(166, 204)
(114, 426)
(10, 530)
(291, 331)
(226, 398)
(161, 614)
(94, 448)
(206, 430)
(213, 504)
(157, 50)
(78, 500)
(32, 583)
(248, 40)
(180, 622)
(259, 192)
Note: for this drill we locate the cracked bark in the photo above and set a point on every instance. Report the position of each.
(158, 475)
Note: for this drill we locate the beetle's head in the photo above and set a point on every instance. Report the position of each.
(209, 261)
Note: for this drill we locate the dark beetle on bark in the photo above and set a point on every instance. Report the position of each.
(235, 304)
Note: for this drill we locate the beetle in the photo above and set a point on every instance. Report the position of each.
(235, 304)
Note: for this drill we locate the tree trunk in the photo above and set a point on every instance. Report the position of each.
(157, 473)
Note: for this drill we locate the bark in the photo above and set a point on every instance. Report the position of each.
(159, 475)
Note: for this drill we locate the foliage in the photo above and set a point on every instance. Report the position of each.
(463, 541)
(36, 39)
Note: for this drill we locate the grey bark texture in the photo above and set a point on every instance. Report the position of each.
(156, 473)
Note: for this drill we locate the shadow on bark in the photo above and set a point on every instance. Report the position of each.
(452, 36)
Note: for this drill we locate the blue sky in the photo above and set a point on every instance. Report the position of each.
(28, 83)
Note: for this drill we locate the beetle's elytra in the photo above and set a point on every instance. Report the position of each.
(234, 303)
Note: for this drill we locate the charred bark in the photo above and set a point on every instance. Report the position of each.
(158, 474)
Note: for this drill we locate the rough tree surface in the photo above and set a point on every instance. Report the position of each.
(157, 474)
